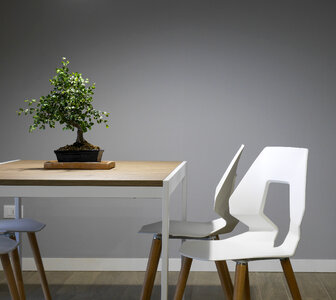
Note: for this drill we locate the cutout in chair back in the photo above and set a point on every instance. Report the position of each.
(279, 165)
(277, 209)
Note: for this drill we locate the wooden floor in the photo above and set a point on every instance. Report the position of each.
(201, 285)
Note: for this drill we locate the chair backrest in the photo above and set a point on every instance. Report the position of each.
(224, 190)
(273, 165)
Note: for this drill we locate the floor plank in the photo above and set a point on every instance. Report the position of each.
(201, 285)
(271, 286)
(328, 280)
(311, 287)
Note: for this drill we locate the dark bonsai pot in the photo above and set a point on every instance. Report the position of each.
(79, 155)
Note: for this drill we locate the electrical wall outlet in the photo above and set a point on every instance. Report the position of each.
(9, 211)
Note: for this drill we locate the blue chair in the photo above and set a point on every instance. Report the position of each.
(7, 246)
(9, 227)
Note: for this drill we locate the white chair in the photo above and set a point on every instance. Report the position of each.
(273, 165)
(7, 246)
(197, 230)
(9, 227)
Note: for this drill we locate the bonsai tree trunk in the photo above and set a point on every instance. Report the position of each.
(80, 139)
(81, 143)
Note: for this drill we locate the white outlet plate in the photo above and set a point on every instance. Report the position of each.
(9, 211)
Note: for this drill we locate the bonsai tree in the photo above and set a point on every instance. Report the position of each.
(69, 104)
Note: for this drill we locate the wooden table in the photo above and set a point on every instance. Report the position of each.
(129, 179)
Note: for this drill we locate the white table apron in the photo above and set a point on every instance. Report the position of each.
(177, 176)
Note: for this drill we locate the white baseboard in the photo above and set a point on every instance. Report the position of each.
(139, 264)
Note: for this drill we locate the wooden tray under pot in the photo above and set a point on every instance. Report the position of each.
(103, 165)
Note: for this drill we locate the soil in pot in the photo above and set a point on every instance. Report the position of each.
(79, 146)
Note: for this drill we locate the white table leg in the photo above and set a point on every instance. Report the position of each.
(18, 215)
(165, 240)
(184, 196)
(184, 203)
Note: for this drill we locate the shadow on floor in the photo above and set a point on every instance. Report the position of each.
(115, 292)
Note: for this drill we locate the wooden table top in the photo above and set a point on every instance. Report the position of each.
(125, 173)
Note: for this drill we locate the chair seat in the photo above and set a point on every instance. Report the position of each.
(7, 245)
(245, 246)
(186, 229)
(20, 225)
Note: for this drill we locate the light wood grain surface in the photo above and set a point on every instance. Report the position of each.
(125, 173)
(102, 165)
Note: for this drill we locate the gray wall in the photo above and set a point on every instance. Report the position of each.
(183, 80)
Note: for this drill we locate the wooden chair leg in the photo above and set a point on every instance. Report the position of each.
(151, 270)
(225, 278)
(9, 277)
(39, 264)
(183, 277)
(290, 277)
(18, 271)
(240, 276)
(247, 293)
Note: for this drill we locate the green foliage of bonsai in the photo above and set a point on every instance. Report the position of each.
(69, 104)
